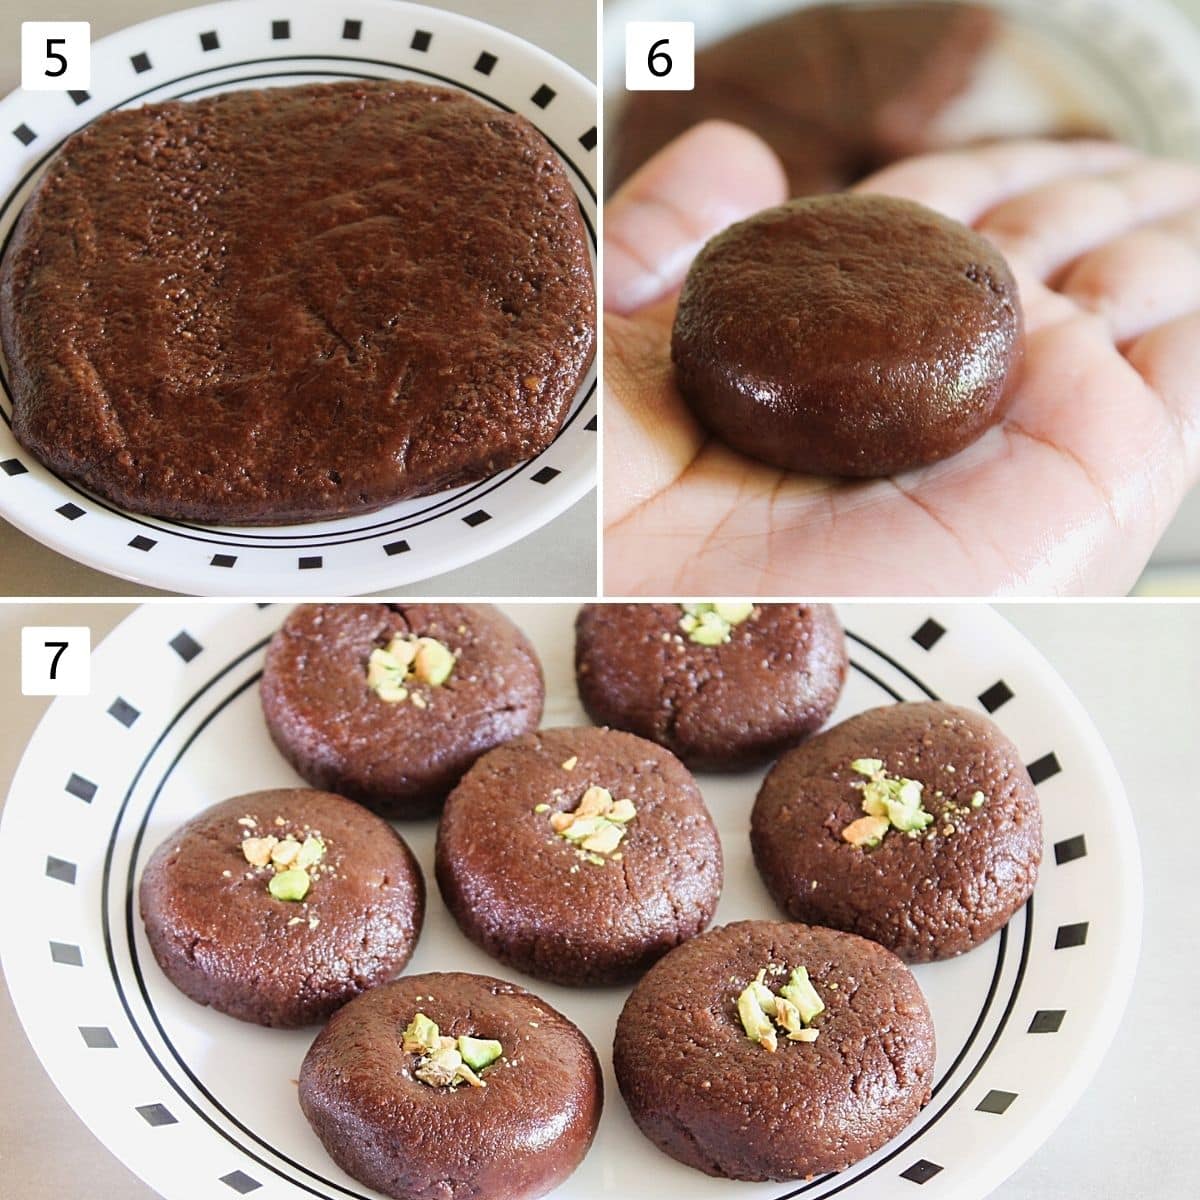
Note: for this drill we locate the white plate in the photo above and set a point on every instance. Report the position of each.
(202, 1106)
(244, 43)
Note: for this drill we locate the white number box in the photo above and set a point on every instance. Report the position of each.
(660, 56)
(56, 56)
(56, 660)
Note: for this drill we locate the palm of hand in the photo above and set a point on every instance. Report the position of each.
(1068, 493)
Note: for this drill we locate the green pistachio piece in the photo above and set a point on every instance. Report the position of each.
(583, 827)
(478, 1053)
(800, 991)
(433, 662)
(755, 1022)
(787, 1016)
(867, 766)
(291, 884)
(762, 993)
(421, 1034)
(697, 610)
(711, 631)
(311, 852)
(734, 613)
(977, 800)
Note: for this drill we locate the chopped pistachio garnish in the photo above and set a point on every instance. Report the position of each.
(800, 991)
(445, 1061)
(405, 660)
(292, 884)
(711, 624)
(977, 800)
(291, 860)
(541, 808)
(889, 801)
(760, 1010)
(571, 763)
(597, 824)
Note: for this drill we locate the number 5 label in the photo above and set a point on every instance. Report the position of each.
(56, 660)
(660, 56)
(56, 56)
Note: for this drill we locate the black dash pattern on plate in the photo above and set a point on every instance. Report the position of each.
(185, 645)
(60, 870)
(393, 548)
(97, 1037)
(240, 1182)
(81, 788)
(929, 634)
(1044, 768)
(1069, 849)
(156, 1115)
(140, 62)
(922, 1171)
(66, 955)
(1070, 936)
(13, 466)
(1047, 1020)
(996, 1102)
(123, 711)
(24, 134)
(995, 696)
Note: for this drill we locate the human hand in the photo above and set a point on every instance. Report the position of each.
(1068, 494)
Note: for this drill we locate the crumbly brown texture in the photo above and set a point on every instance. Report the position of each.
(926, 897)
(224, 940)
(835, 90)
(296, 303)
(398, 759)
(717, 707)
(522, 893)
(518, 1137)
(854, 335)
(706, 1094)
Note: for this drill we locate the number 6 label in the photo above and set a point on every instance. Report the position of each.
(56, 660)
(660, 56)
(56, 56)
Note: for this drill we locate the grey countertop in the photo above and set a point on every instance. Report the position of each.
(1134, 667)
(557, 560)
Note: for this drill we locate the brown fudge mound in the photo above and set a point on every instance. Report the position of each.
(534, 900)
(519, 1136)
(718, 707)
(835, 90)
(854, 335)
(223, 939)
(925, 897)
(400, 759)
(706, 1094)
(296, 303)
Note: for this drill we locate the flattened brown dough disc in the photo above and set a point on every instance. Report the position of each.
(296, 303)
(926, 897)
(706, 1094)
(224, 940)
(516, 1138)
(856, 335)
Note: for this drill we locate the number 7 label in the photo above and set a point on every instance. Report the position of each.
(56, 660)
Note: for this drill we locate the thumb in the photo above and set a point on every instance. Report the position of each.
(706, 179)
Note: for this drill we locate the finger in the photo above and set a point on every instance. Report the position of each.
(711, 176)
(1168, 359)
(1053, 224)
(966, 183)
(1137, 281)
(650, 436)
